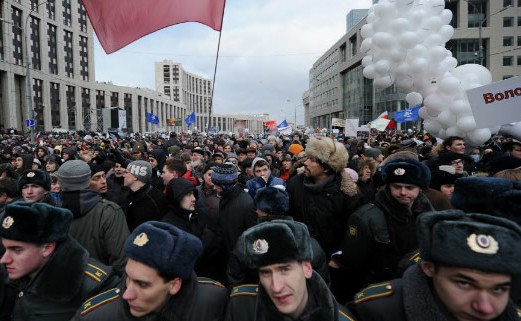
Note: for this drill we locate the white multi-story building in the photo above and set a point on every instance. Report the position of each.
(195, 92)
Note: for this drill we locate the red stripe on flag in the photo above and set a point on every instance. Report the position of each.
(120, 22)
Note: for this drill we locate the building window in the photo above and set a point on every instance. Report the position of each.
(477, 14)
(508, 41)
(82, 17)
(35, 43)
(51, 9)
(507, 76)
(519, 20)
(67, 49)
(16, 16)
(519, 60)
(85, 104)
(53, 49)
(71, 106)
(508, 60)
(55, 104)
(507, 3)
(508, 22)
(84, 58)
(354, 45)
(66, 4)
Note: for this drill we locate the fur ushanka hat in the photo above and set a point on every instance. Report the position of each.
(328, 152)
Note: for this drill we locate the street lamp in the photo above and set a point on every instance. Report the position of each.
(480, 27)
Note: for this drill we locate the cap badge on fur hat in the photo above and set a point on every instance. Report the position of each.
(141, 239)
(8, 222)
(482, 243)
(260, 246)
(30, 174)
(399, 171)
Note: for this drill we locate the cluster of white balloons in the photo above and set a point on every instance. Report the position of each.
(404, 44)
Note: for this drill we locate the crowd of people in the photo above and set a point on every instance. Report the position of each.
(400, 226)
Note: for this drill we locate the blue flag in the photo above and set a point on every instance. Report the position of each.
(190, 119)
(151, 118)
(410, 114)
(283, 124)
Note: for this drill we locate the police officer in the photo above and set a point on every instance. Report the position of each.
(160, 283)
(466, 273)
(50, 272)
(289, 288)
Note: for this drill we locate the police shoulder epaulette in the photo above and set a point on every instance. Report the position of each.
(95, 272)
(203, 280)
(245, 290)
(343, 316)
(99, 300)
(415, 257)
(374, 291)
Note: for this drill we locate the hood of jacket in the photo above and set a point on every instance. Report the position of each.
(80, 202)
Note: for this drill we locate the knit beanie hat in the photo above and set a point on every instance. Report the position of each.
(142, 170)
(74, 175)
(224, 174)
(295, 149)
(95, 168)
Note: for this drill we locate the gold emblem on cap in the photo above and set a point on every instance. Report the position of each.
(481, 243)
(260, 246)
(141, 239)
(399, 171)
(30, 174)
(8, 222)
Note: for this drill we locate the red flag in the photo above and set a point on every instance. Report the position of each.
(120, 22)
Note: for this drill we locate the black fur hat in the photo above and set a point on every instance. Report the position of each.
(35, 222)
(476, 241)
(277, 241)
(490, 195)
(165, 248)
(36, 177)
(272, 200)
(406, 171)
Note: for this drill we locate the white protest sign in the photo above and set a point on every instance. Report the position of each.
(351, 127)
(496, 104)
(337, 122)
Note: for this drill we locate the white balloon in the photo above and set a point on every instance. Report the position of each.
(417, 16)
(401, 25)
(442, 134)
(414, 98)
(382, 82)
(432, 24)
(448, 64)
(436, 6)
(433, 40)
(466, 123)
(404, 83)
(397, 54)
(367, 60)
(460, 107)
(369, 72)
(436, 102)
(367, 31)
(479, 136)
(423, 113)
(382, 66)
(384, 9)
(446, 32)
(419, 51)
(446, 16)
(383, 40)
(450, 85)
(453, 131)
(402, 70)
(446, 118)
(419, 65)
(473, 73)
(366, 45)
(408, 39)
(437, 54)
(431, 125)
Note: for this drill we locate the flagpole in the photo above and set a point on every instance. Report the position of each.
(213, 86)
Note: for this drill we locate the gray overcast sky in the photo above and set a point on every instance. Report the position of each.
(267, 49)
